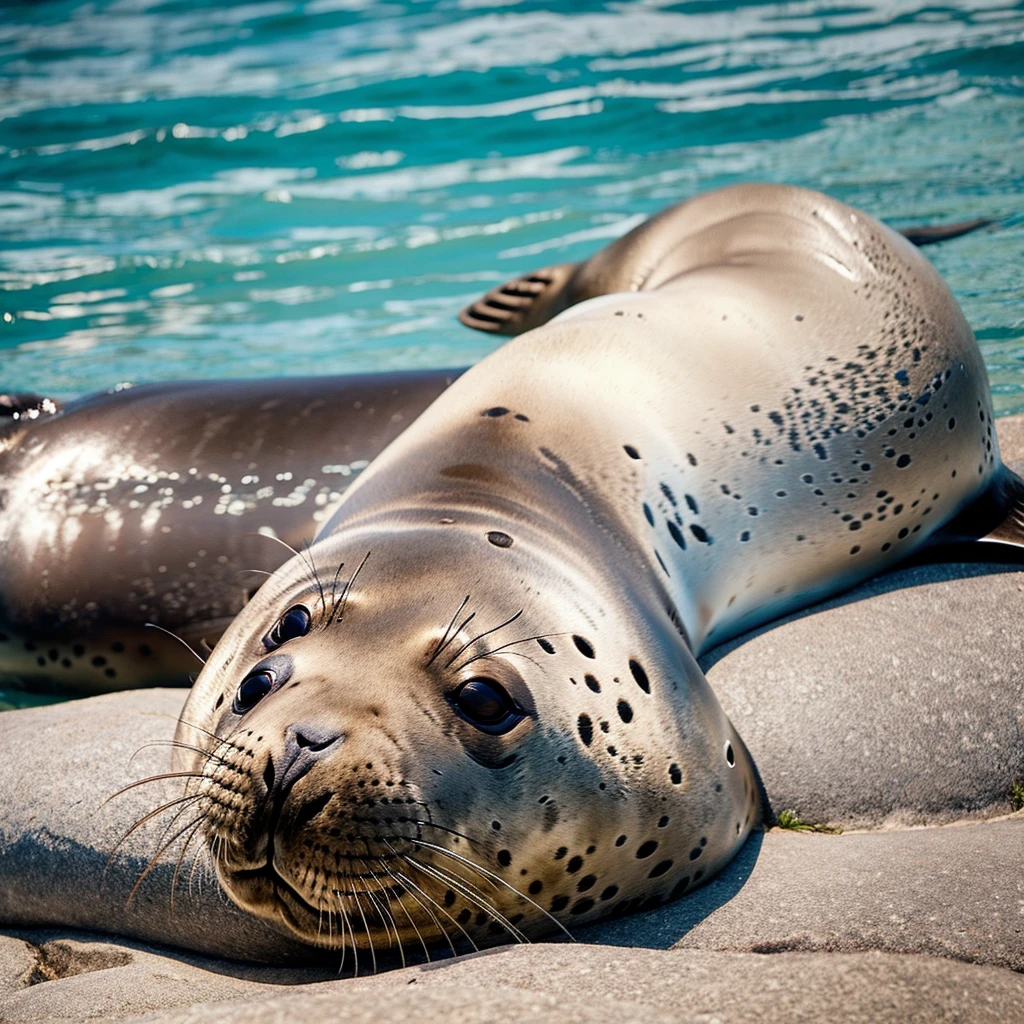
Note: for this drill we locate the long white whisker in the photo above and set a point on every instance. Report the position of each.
(491, 876)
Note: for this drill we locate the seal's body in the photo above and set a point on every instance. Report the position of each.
(147, 504)
(472, 707)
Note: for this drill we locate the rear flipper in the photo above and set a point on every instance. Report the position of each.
(525, 302)
(928, 234)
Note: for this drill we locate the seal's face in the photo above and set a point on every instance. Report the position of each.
(437, 751)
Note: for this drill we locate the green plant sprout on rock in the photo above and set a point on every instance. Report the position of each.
(1017, 796)
(788, 819)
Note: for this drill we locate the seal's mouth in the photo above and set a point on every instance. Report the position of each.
(269, 893)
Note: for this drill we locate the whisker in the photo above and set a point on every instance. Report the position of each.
(151, 778)
(512, 643)
(507, 622)
(348, 589)
(316, 577)
(443, 828)
(405, 910)
(344, 929)
(304, 555)
(174, 636)
(384, 908)
(398, 877)
(334, 591)
(112, 856)
(425, 906)
(471, 893)
(445, 639)
(178, 745)
(159, 853)
(181, 857)
(426, 895)
(491, 876)
(198, 728)
(366, 926)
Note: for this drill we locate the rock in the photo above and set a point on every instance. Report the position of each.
(899, 703)
(17, 963)
(570, 983)
(955, 891)
(60, 862)
(92, 978)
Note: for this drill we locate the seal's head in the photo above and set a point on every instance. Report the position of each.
(466, 740)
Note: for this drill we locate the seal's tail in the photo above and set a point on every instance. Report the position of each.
(523, 303)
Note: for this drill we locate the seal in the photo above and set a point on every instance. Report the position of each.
(153, 504)
(471, 710)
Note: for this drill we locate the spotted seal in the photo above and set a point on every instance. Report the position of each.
(146, 505)
(471, 709)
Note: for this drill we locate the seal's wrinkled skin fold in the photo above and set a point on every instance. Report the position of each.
(470, 711)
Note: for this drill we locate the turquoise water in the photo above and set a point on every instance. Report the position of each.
(277, 187)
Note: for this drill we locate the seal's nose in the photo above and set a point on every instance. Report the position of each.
(306, 744)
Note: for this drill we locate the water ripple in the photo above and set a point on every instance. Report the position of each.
(211, 189)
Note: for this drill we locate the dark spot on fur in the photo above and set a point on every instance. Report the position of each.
(586, 729)
(640, 676)
(583, 646)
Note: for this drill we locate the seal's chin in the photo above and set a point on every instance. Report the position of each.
(266, 893)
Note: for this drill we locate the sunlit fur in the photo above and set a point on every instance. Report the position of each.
(787, 401)
(421, 828)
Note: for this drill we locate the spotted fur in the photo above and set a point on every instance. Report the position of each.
(776, 398)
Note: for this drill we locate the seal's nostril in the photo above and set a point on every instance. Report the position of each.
(305, 746)
(313, 737)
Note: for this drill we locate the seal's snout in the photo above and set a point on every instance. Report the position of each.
(306, 744)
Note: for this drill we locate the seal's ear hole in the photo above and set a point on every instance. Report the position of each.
(294, 623)
(730, 755)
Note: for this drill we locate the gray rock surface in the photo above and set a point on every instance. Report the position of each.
(954, 891)
(92, 977)
(557, 983)
(899, 703)
(60, 862)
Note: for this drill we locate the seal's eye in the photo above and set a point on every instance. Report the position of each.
(294, 623)
(485, 704)
(252, 690)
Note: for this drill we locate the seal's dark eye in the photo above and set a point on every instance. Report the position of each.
(252, 690)
(294, 623)
(485, 704)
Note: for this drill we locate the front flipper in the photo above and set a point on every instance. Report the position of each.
(996, 518)
(523, 303)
